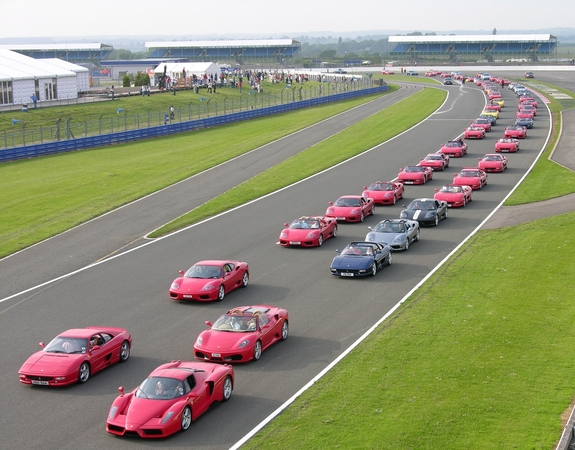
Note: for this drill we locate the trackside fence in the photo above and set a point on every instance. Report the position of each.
(182, 121)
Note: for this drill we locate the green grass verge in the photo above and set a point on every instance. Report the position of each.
(373, 130)
(46, 196)
(481, 357)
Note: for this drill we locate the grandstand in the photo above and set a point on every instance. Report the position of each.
(474, 47)
(236, 51)
(75, 53)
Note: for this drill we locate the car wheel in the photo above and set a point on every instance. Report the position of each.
(335, 231)
(361, 217)
(257, 351)
(407, 244)
(417, 235)
(221, 293)
(320, 240)
(285, 330)
(436, 220)
(445, 215)
(394, 199)
(186, 419)
(373, 211)
(84, 373)
(373, 269)
(124, 351)
(390, 259)
(464, 201)
(245, 279)
(227, 389)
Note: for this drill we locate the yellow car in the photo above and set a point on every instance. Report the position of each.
(493, 113)
(499, 101)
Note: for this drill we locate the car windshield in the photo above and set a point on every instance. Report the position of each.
(358, 250)
(433, 157)
(305, 223)
(453, 144)
(452, 189)
(67, 345)
(237, 323)
(203, 271)
(380, 187)
(347, 202)
(160, 388)
(469, 173)
(389, 227)
(492, 158)
(419, 204)
(413, 169)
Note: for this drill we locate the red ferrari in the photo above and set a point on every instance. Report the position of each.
(474, 133)
(242, 334)
(493, 162)
(483, 123)
(384, 192)
(308, 231)
(210, 280)
(524, 114)
(507, 145)
(471, 176)
(351, 208)
(415, 175)
(437, 161)
(170, 398)
(516, 132)
(387, 72)
(454, 149)
(73, 356)
(454, 195)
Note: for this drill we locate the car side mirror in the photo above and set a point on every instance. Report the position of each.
(208, 323)
(181, 272)
(121, 389)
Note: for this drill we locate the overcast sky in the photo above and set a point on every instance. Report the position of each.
(260, 19)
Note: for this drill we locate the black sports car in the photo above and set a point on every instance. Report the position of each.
(427, 211)
(360, 259)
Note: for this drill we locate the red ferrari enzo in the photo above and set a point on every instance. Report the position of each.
(454, 149)
(471, 176)
(170, 398)
(455, 196)
(437, 161)
(351, 208)
(210, 280)
(308, 231)
(415, 175)
(493, 162)
(515, 131)
(242, 334)
(384, 192)
(74, 355)
(507, 145)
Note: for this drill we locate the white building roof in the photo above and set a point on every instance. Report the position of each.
(471, 38)
(61, 46)
(224, 43)
(23, 67)
(191, 67)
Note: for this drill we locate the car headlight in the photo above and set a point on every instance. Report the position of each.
(175, 286)
(355, 211)
(244, 343)
(209, 287)
(329, 211)
(167, 417)
(370, 238)
(113, 412)
(399, 238)
(284, 234)
(430, 214)
(312, 235)
(403, 215)
(199, 340)
(389, 194)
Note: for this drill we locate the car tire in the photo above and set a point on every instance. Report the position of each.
(334, 231)
(445, 215)
(124, 351)
(320, 240)
(390, 259)
(417, 235)
(285, 330)
(361, 217)
(394, 199)
(373, 211)
(227, 389)
(84, 373)
(464, 201)
(221, 293)
(436, 219)
(407, 244)
(373, 269)
(245, 279)
(186, 419)
(257, 350)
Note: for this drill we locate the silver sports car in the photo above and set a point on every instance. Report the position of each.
(397, 233)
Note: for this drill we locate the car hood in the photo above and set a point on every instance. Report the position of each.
(51, 363)
(141, 410)
(416, 214)
(388, 238)
(411, 175)
(351, 262)
(224, 340)
(192, 285)
(449, 196)
(300, 233)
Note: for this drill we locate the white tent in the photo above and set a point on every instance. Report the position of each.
(82, 73)
(177, 70)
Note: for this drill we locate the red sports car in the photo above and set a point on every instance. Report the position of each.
(74, 355)
(351, 208)
(474, 133)
(387, 72)
(415, 175)
(454, 149)
(170, 398)
(308, 231)
(483, 123)
(471, 176)
(492, 107)
(528, 101)
(242, 334)
(507, 145)
(432, 73)
(384, 192)
(454, 195)
(493, 162)
(524, 114)
(437, 161)
(516, 132)
(210, 280)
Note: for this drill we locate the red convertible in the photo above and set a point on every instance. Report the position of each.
(210, 280)
(387, 72)
(483, 123)
(308, 231)
(437, 161)
(384, 192)
(454, 149)
(507, 145)
(351, 208)
(528, 101)
(74, 355)
(516, 132)
(471, 176)
(493, 162)
(454, 195)
(415, 175)
(524, 107)
(172, 396)
(474, 133)
(242, 334)
(524, 114)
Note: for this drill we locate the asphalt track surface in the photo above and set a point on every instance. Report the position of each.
(326, 314)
